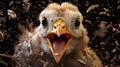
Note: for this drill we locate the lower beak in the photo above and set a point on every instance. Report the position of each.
(59, 39)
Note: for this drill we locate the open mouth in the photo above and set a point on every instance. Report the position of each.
(58, 45)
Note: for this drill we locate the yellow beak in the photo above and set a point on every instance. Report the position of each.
(59, 39)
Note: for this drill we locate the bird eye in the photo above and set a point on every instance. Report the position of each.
(44, 22)
(77, 23)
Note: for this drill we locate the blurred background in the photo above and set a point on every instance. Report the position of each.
(101, 18)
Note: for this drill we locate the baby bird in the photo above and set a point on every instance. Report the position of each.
(59, 41)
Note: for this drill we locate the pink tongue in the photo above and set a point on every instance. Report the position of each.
(58, 46)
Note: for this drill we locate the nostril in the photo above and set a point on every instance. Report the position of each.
(63, 27)
(55, 27)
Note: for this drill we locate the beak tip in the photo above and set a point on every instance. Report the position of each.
(58, 35)
(57, 59)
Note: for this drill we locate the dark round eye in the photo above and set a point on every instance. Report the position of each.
(77, 23)
(44, 22)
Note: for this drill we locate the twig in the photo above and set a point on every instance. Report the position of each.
(6, 56)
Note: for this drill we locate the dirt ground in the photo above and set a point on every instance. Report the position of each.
(101, 18)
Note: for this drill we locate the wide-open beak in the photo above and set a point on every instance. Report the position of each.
(59, 39)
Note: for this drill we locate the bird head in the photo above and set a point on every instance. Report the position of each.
(61, 29)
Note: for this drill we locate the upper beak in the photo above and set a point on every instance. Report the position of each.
(59, 39)
(59, 28)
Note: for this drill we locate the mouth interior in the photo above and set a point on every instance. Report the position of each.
(58, 43)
